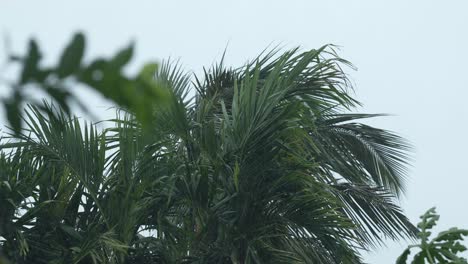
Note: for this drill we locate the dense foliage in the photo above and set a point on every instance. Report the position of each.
(260, 164)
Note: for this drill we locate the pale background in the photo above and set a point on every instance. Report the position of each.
(411, 58)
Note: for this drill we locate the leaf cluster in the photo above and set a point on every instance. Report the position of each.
(105, 76)
(443, 248)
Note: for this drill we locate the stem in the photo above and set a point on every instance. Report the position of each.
(429, 257)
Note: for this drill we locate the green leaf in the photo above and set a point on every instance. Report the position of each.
(452, 234)
(30, 63)
(403, 257)
(419, 258)
(148, 71)
(7, 185)
(122, 57)
(236, 176)
(93, 74)
(60, 96)
(428, 220)
(12, 108)
(71, 231)
(70, 60)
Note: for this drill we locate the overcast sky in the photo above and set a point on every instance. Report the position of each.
(411, 58)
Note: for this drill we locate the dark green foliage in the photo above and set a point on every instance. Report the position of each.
(105, 76)
(263, 165)
(444, 248)
(70, 60)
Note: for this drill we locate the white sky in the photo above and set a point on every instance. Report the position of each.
(411, 57)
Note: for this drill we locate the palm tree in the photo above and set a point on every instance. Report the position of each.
(265, 164)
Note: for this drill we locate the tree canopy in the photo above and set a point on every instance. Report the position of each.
(265, 163)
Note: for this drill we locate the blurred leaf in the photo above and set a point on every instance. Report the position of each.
(13, 112)
(93, 74)
(71, 57)
(122, 57)
(60, 96)
(148, 71)
(30, 63)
